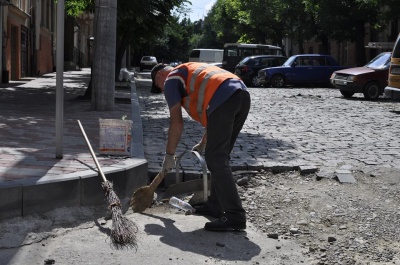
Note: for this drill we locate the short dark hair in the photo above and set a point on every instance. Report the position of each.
(154, 71)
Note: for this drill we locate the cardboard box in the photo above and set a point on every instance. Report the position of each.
(115, 136)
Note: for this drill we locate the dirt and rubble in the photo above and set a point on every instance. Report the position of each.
(337, 223)
(292, 219)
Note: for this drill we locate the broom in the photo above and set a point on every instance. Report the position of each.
(123, 230)
(143, 197)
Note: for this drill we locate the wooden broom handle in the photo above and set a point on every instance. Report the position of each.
(92, 153)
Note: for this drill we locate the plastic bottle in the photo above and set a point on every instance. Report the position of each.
(174, 201)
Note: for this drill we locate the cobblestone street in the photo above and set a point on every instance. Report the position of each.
(292, 127)
(293, 218)
(315, 128)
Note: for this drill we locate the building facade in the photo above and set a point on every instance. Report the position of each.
(29, 39)
(345, 52)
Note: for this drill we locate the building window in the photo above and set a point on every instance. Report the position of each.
(46, 14)
(43, 13)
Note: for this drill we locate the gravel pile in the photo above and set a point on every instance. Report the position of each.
(337, 223)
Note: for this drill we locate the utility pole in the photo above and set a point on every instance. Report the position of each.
(2, 3)
(103, 90)
(1, 41)
(59, 79)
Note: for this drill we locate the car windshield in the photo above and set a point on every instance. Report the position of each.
(289, 61)
(147, 58)
(382, 61)
(244, 61)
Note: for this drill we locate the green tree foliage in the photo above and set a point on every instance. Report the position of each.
(208, 36)
(196, 39)
(346, 20)
(141, 23)
(269, 21)
(174, 43)
(149, 27)
(223, 18)
(77, 7)
(296, 23)
(259, 21)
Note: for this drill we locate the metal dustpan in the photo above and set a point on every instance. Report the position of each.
(200, 187)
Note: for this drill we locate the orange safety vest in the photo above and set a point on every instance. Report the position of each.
(202, 82)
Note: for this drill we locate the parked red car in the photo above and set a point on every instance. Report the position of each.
(370, 79)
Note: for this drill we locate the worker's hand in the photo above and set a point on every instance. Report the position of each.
(200, 147)
(168, 163)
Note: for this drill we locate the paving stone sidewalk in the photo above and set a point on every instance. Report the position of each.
(31, 177)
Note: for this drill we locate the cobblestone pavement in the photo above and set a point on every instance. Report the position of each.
(292, 127)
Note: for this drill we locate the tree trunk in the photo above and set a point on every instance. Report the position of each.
(300, 42)
(324, 44)
(359, 43)
(88, 92)
(103, 82)
(122, 45)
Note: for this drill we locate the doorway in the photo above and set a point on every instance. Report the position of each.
(14, 52)
(24, 51)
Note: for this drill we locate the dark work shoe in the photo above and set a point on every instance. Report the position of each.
(223, 224)
(205, 210)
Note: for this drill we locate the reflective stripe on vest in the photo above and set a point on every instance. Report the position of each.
(202, 82)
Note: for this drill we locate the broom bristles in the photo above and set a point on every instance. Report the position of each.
(123, 230)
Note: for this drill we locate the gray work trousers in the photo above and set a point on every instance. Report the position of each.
(223, 127)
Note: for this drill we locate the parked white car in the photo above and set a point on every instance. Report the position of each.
(147, 62)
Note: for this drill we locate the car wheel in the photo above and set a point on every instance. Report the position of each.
(254, 81)
(346, 94)
(278, 81)
(371, 91)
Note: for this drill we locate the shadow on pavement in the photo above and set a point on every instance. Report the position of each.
(237, 247)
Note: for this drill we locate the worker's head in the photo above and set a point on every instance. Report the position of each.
(158, 78)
